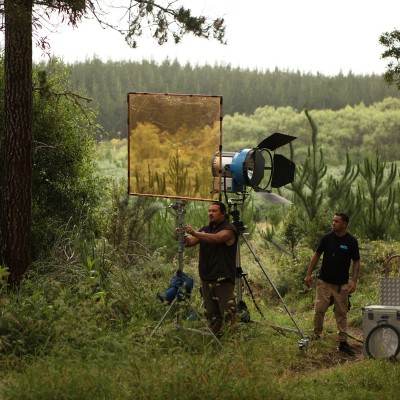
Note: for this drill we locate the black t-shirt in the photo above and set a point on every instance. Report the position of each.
(338, 252)
(217, 260)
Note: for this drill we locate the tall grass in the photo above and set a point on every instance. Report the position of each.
(79, 328)
(80, 325)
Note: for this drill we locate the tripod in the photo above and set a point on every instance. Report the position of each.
(240, 275)
(179, 207)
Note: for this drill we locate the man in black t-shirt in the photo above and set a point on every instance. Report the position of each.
(217, 266)
(339, 248)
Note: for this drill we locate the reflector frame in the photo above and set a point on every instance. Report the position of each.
(170, 140)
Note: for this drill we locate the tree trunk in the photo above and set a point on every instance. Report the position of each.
(17, 143)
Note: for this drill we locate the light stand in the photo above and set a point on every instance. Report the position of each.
(303, 342)
(242, 309)
(179, 207)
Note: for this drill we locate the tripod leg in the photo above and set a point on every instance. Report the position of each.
(274, 287)
(178, 325)
(163, 317)
(252, 296)
(239, 291)
(239, 273)
(205, 324)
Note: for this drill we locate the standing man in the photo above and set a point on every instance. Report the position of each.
(339, 248)
(217, 266)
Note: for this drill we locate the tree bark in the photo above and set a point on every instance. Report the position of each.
(17, 143)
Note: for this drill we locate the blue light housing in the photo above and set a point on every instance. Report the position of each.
(233, 171)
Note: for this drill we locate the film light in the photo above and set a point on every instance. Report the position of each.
(259, 168)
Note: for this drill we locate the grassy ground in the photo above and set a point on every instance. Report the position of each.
(258, 363)
(85, 329)
(70, 342)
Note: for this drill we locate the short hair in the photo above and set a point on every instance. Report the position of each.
(344, 217)
(221, 206)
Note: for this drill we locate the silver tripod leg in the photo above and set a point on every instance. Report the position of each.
(303, 343)
(163, 317)
(209, 331)
(179, 326)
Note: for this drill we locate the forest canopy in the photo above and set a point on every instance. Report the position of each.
(359, 131)
(243, 91)
(358, 115)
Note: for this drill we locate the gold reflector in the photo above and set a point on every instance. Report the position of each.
(171, 139)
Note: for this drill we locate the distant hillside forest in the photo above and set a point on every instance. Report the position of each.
(243, 90)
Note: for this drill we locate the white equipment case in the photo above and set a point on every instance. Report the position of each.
(381, 323)
(381, 330)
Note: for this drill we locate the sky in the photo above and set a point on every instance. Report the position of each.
(310, 36)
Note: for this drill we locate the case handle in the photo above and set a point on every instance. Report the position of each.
(386, 265)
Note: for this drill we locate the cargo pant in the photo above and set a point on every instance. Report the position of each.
(340, 295)
(220, 304)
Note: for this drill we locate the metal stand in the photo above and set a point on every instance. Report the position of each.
(240, 275)
(179, 207)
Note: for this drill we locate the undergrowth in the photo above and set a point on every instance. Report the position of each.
(83, 325)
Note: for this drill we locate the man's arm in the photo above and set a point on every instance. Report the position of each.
(311, 267)
(225, 236)
(354, 276)
(188, 241)
(191, 241)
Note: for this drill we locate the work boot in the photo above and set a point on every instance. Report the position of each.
(346, 348)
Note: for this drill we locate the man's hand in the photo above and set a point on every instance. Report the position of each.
(311, 267)
(189, 229)
(352, 287)
(308, 280)
(178, 231)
